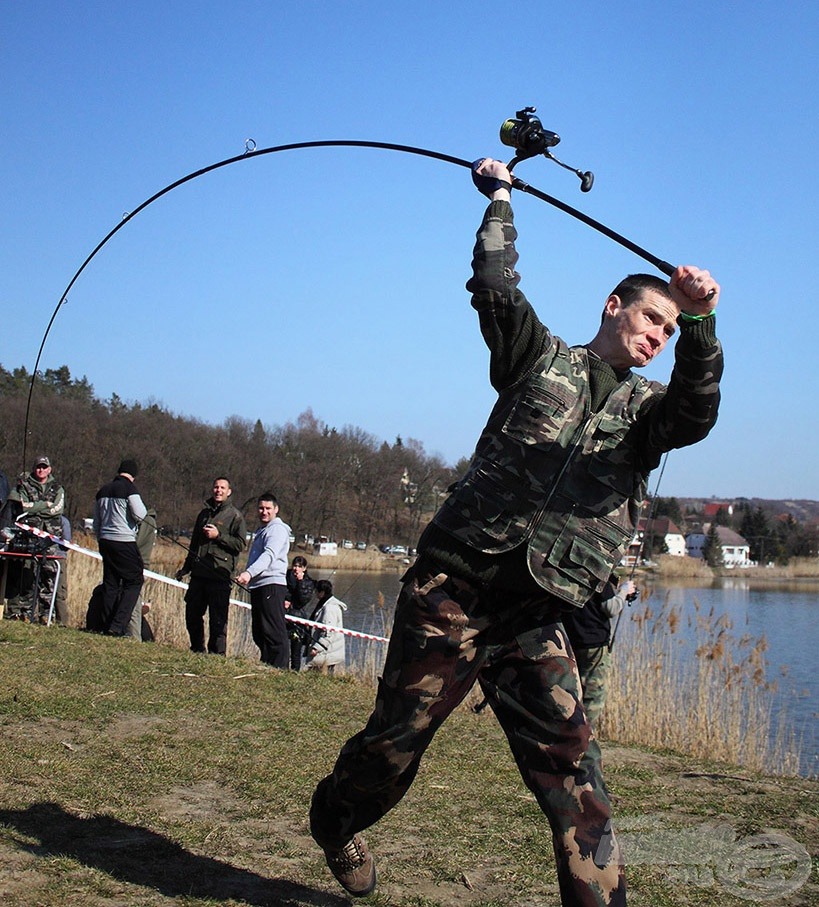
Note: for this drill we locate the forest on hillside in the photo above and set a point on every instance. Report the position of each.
(342, 483)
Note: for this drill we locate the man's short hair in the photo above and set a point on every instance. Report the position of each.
(299, 561)
(324, 588)
(267, 496)
(222, 479)
(632, 287)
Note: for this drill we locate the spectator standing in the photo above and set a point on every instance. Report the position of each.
(42, 502)
(218, 538)
(265, 577)
(589, 631)
(325, 650)
(118, 510)
(300, 591)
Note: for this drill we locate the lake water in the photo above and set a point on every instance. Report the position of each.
(786, 613)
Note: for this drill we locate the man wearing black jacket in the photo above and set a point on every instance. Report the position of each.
(300, 591)
(218, 537)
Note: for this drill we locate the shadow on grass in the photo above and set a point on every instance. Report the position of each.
(139, 856)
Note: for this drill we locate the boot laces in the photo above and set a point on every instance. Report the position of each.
(350, 857)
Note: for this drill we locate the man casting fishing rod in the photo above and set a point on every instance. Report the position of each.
(549, 502)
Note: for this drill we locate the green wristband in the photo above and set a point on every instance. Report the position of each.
(686, 317)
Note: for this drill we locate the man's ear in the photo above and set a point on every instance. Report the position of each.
(613, 305)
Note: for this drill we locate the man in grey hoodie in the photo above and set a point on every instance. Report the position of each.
(118, 511)
(265, 576)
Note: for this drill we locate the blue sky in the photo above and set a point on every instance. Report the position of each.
(334, 278)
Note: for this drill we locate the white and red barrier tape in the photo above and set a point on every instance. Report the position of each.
(160, 577)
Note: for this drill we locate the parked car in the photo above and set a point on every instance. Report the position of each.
(347, 543)
(360, 546)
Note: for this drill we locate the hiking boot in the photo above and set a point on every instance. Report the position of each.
(353, 866)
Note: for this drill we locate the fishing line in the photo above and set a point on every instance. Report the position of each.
(252, 152)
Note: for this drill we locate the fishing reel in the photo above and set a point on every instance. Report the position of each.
(527, 136)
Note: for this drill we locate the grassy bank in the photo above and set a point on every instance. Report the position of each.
(144, 776)
(716, 704)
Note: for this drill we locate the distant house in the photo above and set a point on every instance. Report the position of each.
(735, 550)
(648, 531)
(712, 508)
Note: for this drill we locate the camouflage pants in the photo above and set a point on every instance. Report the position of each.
(446, 636)
(594, 666)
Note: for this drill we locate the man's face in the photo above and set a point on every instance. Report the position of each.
(640, 331)
(221, 491)
(267, 512)
(42, 472)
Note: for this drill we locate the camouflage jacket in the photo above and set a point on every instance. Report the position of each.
(43, 503)
(549, 473)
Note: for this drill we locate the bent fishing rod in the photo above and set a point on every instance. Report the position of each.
(524, 133)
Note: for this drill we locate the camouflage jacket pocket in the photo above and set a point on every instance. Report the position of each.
(612, 458)
(552, 400)
(580, 560)
(539, 415)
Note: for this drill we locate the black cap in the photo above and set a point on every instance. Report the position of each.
(129, 466)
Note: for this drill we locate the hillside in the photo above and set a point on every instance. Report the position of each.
(803, 510)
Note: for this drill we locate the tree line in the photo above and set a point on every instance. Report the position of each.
(341, 483)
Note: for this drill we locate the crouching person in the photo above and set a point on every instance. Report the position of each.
(325, 648)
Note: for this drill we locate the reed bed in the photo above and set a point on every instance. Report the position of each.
(670, 567)
(697, 689)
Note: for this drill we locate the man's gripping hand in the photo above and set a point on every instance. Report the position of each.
(492, 178)
(694, 290)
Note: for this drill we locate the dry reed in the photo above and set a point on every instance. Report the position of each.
(716, 704)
